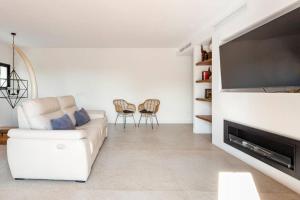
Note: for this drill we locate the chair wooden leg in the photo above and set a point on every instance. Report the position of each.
(134, 120)
(156, 120)
(140, 120)
(116, 119)
(151, 121)
(146, 120)
(124, 121)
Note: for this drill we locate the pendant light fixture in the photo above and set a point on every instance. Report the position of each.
(17, 88)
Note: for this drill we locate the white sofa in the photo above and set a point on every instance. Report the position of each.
(34, 151)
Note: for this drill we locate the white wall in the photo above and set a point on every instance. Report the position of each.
(278, 113)
(97, 76)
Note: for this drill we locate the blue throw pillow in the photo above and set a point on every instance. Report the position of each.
(62, 123)
(82, 117)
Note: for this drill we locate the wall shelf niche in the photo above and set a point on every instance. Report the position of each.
(204, 81)
(202, 123)
(204, 63)
(207, 118)
(203, 99)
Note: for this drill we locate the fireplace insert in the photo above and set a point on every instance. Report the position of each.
(278, 151)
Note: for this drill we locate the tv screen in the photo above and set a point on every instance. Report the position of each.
(268, 56)
(4, 75)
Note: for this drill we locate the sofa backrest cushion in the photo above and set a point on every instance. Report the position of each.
(68, 106)
(66, 101)
(22, 119)
(39, 112)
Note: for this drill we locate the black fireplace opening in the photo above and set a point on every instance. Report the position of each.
(278, 151)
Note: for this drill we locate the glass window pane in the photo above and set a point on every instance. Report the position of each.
(3, 76)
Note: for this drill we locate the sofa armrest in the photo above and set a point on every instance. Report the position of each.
(95, 114)
(47, 134)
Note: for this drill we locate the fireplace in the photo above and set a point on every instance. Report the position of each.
(278, 151)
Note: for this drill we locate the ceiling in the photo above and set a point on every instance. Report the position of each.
(106, 23)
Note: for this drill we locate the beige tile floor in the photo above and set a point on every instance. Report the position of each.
(165, 163)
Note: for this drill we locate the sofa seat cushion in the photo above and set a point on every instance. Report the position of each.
(93, 136)
(128, 111)
(94, 114)
(146, 112)
(94, 129)
(95, 123)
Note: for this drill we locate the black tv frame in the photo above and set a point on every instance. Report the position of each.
(251, 27)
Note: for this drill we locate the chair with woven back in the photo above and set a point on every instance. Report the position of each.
(124, 109)
(148, 109)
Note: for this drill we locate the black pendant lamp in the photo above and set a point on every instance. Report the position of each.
(17, 88)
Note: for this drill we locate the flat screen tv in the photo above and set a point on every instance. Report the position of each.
(4, 76)
(266, 57)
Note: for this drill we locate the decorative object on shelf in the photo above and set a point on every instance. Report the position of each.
(209, 73)
(204, 54)
(208, 94)
(210, 49)
(17, 88)
(209, 55)
(205, 75)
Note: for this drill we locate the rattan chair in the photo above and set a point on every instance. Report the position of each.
(124, 109)
(148, 109)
